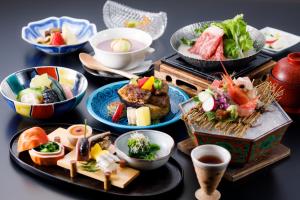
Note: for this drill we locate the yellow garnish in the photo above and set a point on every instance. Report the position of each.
(143, 116)
(148, 84)
(96, 151)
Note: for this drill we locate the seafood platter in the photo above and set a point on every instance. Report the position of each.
(217, 83)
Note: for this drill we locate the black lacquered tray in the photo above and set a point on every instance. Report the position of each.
(147, 184)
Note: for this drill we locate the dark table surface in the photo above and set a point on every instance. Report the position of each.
(278, 182)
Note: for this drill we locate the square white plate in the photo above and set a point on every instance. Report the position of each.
(289, 39)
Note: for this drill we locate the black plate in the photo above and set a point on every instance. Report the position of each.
(148, 183)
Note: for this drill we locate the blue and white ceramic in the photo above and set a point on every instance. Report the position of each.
(97, 106)
(14, 83)
(82, 28)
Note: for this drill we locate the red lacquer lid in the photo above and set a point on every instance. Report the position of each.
(288, 69)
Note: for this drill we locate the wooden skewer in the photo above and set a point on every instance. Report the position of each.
(73, 169)
(107, 182)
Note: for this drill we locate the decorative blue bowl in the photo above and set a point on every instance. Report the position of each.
(81, 27)
(14, 83)
(97, 106)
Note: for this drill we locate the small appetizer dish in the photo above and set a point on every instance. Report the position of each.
(43, 92)
(142, 103)
(278, 41)
(237, 115)
(121, 48)
(41, 150)
(55, 35)
(77, 131)
(204, 44)
(117, 15)
(145, 149)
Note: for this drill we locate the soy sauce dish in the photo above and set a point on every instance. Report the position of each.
(145, 149)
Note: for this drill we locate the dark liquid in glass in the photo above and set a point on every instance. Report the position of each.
(210, 159)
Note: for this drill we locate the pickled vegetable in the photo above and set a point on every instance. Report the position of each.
(50, 96)
(31, 96)
(40, 81)
(131, 116)
(143, 116)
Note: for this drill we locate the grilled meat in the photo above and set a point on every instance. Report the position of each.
(164, 89)
(134, 96)
(157, 100)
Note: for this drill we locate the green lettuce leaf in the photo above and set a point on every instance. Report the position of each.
(237, 39)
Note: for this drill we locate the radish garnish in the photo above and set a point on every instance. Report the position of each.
(204, 95)
(209, 104)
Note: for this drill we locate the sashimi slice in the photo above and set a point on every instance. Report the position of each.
(208, 42)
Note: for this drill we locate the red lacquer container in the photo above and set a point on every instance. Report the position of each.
(286, 74)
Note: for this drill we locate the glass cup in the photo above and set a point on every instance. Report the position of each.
(210, 163)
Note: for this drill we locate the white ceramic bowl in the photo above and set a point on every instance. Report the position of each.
(122, 60)
(165, 142)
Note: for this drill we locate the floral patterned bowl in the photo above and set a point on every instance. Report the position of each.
(82, 28)
(100, 98)
(14, 83)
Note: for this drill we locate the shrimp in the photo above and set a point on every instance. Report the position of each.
(234, 92)
(248, 108)
(246, 105)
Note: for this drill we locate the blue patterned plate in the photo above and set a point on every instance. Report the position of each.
(82, 28)
(97, 106)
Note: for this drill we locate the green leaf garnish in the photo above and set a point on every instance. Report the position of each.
(187, 42)
(211, 115)
(196, 99)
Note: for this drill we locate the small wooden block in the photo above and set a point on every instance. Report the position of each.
(120, 179)
(62, 134)
(235, 173)
(122, 163)
(107, 182)
(73, 169)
